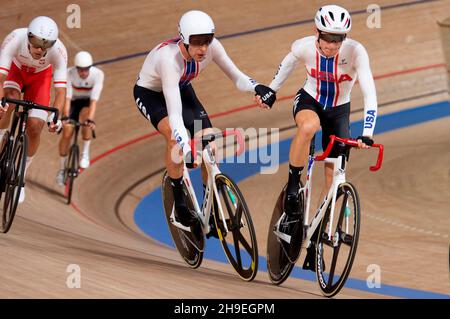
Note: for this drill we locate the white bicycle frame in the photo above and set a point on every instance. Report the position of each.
(205, 212)
(309, 229)
(338, 179)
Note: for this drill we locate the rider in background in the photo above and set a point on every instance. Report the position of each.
(29, 58)
(165, 97)
(84, 86)
(333, 63)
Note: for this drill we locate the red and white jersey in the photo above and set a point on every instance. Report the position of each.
(330, 80)
(165, 69)
(15, 49)
(91, 87)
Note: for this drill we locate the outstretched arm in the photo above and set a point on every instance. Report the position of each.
(265, 96)
(242, 81)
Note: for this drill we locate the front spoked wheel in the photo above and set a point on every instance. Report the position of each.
(284, 240)
(189, 241)
(6, 148)
(238, 238)
(14, 181)
(71, 171)
(336, 248)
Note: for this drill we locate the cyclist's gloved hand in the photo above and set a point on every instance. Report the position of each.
(366, 140)
(54, 127)
(189, 160)
(268, 96)
(90, 123)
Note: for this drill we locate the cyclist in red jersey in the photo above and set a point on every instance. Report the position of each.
(28, 57)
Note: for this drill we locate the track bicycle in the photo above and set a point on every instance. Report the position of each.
(224, 210)
(332, 235)
(13, 156)
(71, 168)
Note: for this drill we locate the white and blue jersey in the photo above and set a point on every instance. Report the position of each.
(328, 89)
(191, 69)
(330, 80)
(166, 70)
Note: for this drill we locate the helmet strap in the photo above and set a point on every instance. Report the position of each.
(318, 43)
(186, 46)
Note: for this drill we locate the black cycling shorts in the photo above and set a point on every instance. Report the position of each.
(334, 121)
(152, 106)
(76, 106)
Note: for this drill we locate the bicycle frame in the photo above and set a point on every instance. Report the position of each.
(69, 170)
(339, 164)
(75, 135)
(19, 119)
(212, 170)
(338, 178)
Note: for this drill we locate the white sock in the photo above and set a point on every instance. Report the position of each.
(63, 161)
(86, 145)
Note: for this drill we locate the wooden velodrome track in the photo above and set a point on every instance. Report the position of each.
(405, 222)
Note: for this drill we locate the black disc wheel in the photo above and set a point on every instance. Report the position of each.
(189, 241)
(284, 240)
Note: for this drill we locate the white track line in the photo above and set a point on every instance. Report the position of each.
(406, 227)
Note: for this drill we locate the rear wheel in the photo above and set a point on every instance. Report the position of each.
(14, 181)
(336, 249)
(239, 242)
(282, 251)
(190, 241)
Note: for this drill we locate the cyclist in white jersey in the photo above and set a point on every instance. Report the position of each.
(164, 94)
(333, 63)
(29, 59)
(84, 86)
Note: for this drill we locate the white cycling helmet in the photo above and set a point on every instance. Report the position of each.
(195, 22)
(42, 32)
(83, 59)
(333, 19)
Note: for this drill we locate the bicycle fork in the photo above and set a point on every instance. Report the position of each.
(338, 179)
(212, 170)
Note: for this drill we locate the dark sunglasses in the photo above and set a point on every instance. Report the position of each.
(83, 69)
(201, 39)
(38, 42)
(332, 38)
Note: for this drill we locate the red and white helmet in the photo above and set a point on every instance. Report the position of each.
(333, 19)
